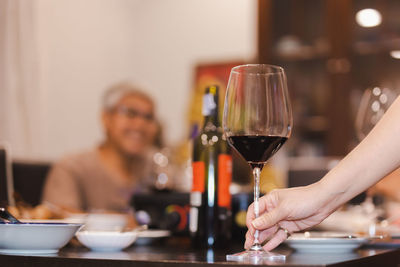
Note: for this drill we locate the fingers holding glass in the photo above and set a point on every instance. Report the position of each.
(263, 236)
(280, 235)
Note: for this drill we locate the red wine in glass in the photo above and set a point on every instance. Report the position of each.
(256, 149)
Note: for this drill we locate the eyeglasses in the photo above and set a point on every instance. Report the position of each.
(133, 113)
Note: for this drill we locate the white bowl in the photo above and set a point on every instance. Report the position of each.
(35, 237)
(105, 222)
(106, 240)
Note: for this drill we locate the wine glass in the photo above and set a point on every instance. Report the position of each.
(257, 121)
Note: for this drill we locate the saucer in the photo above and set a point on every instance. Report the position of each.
(329, 244)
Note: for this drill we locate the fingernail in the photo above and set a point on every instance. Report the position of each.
(256, 223)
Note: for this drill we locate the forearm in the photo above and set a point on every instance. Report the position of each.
(375, 157)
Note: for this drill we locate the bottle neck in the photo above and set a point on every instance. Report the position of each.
(211, 120)
(210, 110)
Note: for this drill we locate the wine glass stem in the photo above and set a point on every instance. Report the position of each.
(256, 174)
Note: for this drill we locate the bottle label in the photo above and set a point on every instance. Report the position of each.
(195, 199)
(224, 180)
(198, 176)
(193, 218)
(208, 104)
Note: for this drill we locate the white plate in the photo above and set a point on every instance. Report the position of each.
(147, 237)
(27, 251)
(154, 233)
(38, 221)
(319, 244)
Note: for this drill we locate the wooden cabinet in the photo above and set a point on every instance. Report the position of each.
(330, 61)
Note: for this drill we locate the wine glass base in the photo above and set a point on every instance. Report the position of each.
(260, 256)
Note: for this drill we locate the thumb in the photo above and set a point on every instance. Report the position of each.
(269, 219)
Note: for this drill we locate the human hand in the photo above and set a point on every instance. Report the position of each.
(293, 209)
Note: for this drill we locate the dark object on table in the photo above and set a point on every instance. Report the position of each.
(170, 211)
(6, 181)
(3, 178)
(240, 203)
(163, 210)
(23, 180)
(29, 179)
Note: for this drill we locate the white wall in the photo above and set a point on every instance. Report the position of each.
(85, 46)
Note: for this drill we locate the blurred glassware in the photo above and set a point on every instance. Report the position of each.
(161, 162)
(373, 105)
(163, 169)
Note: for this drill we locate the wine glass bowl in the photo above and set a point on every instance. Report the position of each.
(257, 121)
(258, 105)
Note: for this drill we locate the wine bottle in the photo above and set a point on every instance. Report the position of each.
(210, 200)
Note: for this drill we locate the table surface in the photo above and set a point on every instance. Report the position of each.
(176, 252)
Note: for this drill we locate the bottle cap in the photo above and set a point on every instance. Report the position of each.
(209, 99)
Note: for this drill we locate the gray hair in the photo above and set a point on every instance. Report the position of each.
(115, 93)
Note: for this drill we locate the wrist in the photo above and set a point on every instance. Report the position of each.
(330, 197)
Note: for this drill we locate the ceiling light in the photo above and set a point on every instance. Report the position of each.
(395, 54)
(368, 17)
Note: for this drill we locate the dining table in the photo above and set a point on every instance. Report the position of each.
(177, 251)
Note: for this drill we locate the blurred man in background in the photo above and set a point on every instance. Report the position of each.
(106, 177)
